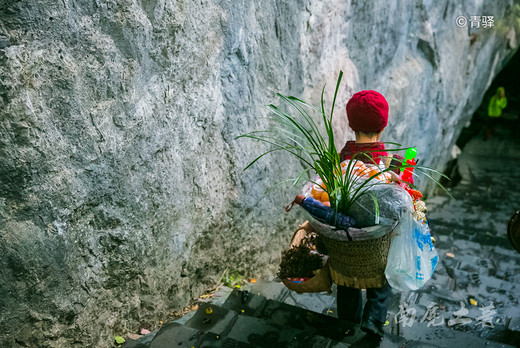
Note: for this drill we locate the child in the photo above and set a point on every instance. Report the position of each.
(367, 113)
(496, 104)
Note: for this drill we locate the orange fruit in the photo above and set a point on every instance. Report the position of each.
(316, 192)
(324, 197)
(373, 171)
(360, 171)
(359, 168)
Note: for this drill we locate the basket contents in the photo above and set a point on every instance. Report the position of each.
(412, 258)
(301, 262)
(324, 213)
(388, 200)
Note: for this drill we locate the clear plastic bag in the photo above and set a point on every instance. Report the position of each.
(412, 258)
(392, 202)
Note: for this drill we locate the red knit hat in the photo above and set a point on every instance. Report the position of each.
(367, 111)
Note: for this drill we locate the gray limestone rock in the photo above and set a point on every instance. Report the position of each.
(122, 194)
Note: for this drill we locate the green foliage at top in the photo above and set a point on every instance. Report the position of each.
(300, 136)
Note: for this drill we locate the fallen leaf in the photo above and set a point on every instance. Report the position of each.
(195, 307)
(473, 302)
(252, 280)
(450, 254)
(134, 337)
(387, 323)
(119, 340)
(205, 296)
(145, 332)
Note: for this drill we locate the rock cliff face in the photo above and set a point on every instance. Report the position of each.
(122, 194)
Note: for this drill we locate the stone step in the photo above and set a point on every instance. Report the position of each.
(446, 337)
(472, 237)
(320, 303)
(460, 284)
(264, 333)
(246, 302)
(443, 328)
(247, 319)
(213, 318)
(284, 315)
(296, 326)
(176, 335)
(513, 331)
(271, 290)
(242, 318)
(442, 297)
(446, 292)
(211, 340)
(317, 302)
(173, 334)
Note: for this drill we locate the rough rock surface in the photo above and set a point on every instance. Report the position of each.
(122, 194)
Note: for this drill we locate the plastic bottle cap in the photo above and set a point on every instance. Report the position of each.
(410, 153)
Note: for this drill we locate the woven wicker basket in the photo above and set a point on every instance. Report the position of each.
(358, 264)
(321, 281)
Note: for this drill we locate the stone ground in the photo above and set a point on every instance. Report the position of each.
(473, 294)
(478, 267)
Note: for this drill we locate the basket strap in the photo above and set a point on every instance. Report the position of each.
(305, 227)
(388, 160)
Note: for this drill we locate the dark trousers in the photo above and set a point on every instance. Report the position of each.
(350, 304)
(491, 126)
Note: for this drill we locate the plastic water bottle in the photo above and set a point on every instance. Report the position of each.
(325, 214)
